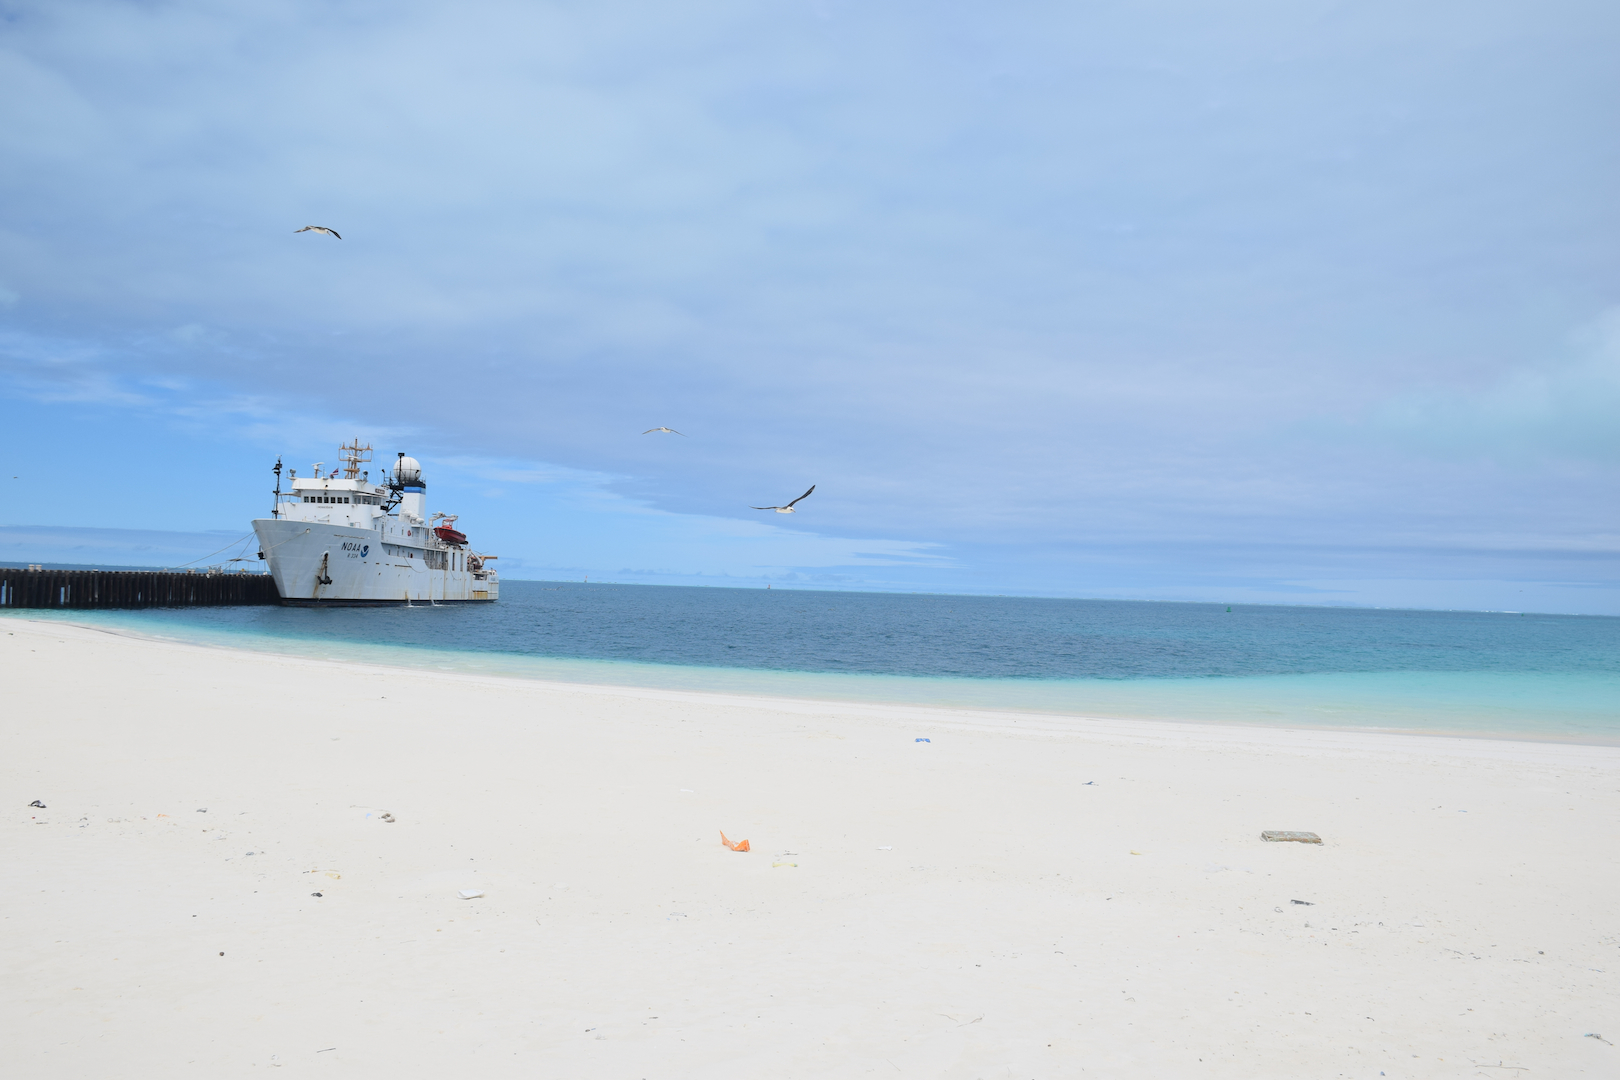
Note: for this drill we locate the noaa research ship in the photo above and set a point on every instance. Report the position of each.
(343, 540)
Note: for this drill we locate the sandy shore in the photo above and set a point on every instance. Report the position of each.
(1020, 896)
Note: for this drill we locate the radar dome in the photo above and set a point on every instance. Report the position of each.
(407, 470)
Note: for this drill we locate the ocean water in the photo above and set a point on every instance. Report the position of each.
(1543, 676)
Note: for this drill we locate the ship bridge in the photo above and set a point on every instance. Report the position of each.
(334, 501)
(346, 497)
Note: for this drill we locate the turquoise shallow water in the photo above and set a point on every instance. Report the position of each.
(1495, 674)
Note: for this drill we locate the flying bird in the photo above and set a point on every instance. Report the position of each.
(788, 509)
(666, 430)
(319, 229)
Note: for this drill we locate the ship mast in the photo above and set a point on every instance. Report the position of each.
(353, 455)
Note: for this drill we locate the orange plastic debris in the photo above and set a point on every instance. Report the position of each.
(741, 845)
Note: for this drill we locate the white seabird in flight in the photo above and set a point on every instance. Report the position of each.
(319, 229)
(788, 509)
(667, 430)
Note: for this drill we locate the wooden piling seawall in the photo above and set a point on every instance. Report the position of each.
(131, 589)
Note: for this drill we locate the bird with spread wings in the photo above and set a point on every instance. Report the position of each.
(319, 229)
(788, 509)
(665, 430)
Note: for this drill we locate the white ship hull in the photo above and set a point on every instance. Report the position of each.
(315, 562)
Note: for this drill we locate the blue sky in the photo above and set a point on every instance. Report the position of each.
(1299, 302)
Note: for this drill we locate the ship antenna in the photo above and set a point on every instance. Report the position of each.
(353, 455)
(275, 509)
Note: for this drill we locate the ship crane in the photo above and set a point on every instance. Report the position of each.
(448, 531)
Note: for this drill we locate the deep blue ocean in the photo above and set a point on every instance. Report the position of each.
(1551, 676)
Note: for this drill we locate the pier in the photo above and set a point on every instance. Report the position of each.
(33, 588)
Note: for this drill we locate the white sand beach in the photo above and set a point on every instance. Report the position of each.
(1020, 896)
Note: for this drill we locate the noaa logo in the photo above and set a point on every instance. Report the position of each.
(361, 548)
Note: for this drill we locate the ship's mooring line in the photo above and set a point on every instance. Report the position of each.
(211, 554)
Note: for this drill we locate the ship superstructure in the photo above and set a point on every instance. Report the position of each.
(344, 539)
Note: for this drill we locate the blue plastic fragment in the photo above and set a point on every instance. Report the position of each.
(925, 740)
